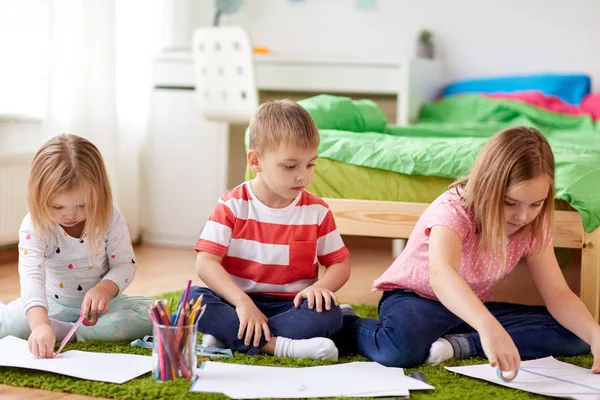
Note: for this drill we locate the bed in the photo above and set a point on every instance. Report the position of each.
(379, 178)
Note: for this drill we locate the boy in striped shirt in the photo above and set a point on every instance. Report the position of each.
(260, 250)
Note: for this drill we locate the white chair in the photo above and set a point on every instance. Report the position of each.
(224, 74)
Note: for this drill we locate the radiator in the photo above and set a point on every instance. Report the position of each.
(14, 173)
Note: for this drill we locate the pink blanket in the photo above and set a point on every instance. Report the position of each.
(589, 106)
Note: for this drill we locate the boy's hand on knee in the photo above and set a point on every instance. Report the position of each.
(316, 296)
(253, 322)
(41, 341)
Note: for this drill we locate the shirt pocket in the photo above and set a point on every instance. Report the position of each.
(302, 256)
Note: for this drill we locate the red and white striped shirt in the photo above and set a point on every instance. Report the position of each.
(273, 251)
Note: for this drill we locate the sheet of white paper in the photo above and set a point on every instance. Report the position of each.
(114, 368)
(546, 376)
(358, 379)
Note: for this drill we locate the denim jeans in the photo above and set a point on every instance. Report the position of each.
(284, 319)
(408, 325)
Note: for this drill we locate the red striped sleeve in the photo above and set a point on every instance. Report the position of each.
(210, 247)
(328, 225)
(331, 248)
(209, 239)
(223, 215)
(334, 257)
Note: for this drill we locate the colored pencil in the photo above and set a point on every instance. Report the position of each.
(161, 355)
(184, 302)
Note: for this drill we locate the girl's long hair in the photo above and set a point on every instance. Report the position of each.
(509, 158)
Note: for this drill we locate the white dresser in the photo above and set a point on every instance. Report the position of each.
(186, 157)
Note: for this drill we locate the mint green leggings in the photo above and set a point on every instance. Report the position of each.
(127, 319)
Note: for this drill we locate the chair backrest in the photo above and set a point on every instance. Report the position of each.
(224, 74)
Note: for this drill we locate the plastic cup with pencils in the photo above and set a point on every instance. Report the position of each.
(174, 339)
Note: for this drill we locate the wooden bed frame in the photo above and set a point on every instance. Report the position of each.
(388, 219)
(420, 83)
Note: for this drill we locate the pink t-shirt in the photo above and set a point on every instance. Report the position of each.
(410, 270)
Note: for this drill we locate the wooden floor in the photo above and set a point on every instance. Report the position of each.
(168, 269)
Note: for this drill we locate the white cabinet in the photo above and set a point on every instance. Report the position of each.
(185, 169)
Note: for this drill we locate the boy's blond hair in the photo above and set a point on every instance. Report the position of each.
(64, 163)
(281, 122)
(509, 158)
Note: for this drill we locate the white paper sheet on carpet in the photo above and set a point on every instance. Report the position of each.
(546, 376)
(103, 367)
(357, 379)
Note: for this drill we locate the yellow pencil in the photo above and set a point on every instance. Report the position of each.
(197, 304)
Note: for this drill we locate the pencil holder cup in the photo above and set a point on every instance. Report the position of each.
(174, 351)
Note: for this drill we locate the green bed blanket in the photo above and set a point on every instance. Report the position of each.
(448, 136)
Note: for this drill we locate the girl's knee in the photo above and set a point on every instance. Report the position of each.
(392, 347)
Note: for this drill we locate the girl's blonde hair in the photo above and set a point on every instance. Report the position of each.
(509, 158)
(64, 163)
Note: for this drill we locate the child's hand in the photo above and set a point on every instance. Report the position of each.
(499, 348)
(253, 322)
(316, 295)
(41, 341)
(95, 302)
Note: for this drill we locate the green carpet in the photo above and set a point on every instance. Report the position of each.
(447, 384)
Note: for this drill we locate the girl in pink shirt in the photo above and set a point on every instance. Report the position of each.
(435, 303)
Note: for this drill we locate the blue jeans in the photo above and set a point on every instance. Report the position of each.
(408, 325)
(284, 319)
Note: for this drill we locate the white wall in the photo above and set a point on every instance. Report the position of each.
(473, 37)
(24, 46)
(20, 137)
